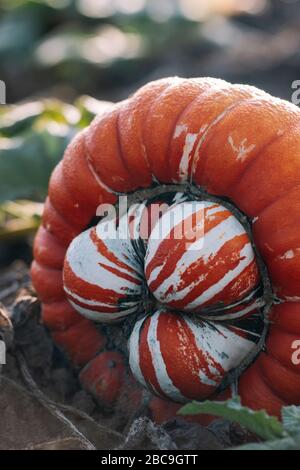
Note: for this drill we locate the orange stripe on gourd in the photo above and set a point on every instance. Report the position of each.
(47, 250)
(79, 178)
(181, 358)
(105, 154)
(158, 132)
(55, 224)
(104, 377)
(59, 315)
(279, 377)
(48, 282)
(218, 265)
(216, 106)
(234, 148)
(81, 342)
(132, 117)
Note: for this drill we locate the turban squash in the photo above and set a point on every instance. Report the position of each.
(238, 146)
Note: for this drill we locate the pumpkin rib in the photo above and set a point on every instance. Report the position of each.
(103, 152)
(48, 282)
(276, 234)
(205, 86)
(272, 140)
(280, 197)
(256, 393)
(270, 184)
(48, 250)
(63, 202)
(208, 135)
(199, 142)
(187, 130)
(81, 341)
(262, 373)
(262, 106)
(172, 102)
(279, 346)
(104, 377)
(100, 182)
(131, 122)
(120, 149)
(274, 137)
(287, 317)
(285, 275)
(242, 95)
(284, 383)
(56, 225)
(233, 146)
(59, 315)
(80, 179)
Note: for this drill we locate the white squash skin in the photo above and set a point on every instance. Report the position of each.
(172, 289)
(122, 273)
(91, 266)
(217, 341)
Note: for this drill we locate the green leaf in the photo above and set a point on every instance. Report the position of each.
(18, 219)
(258, 422)
(291, 419)
(33, 137)
(89, 108)
(26, 164)
(17, 119)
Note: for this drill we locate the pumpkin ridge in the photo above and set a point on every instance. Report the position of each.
(97, 177)
(184, 110)
(103, 151)
(266, 382)
(144, 94)
(276, 364)
(196, 156)
(244, 93)
(119, 143)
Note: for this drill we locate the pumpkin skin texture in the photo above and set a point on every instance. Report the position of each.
(103, 377)
(201, 132)
(103, 266)
(182, 359)
(102, 277)
(203, 259)
(277, 370)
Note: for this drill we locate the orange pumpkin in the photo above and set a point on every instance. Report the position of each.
(234, 142)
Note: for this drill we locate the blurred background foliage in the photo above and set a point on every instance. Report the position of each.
(55, 55)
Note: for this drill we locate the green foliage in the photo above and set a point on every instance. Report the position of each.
(26, 163)
(18, 219)
(277, 435)
(33, 137)
(47, 42)
(291, 420)
(285, 443)
(257, 422)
